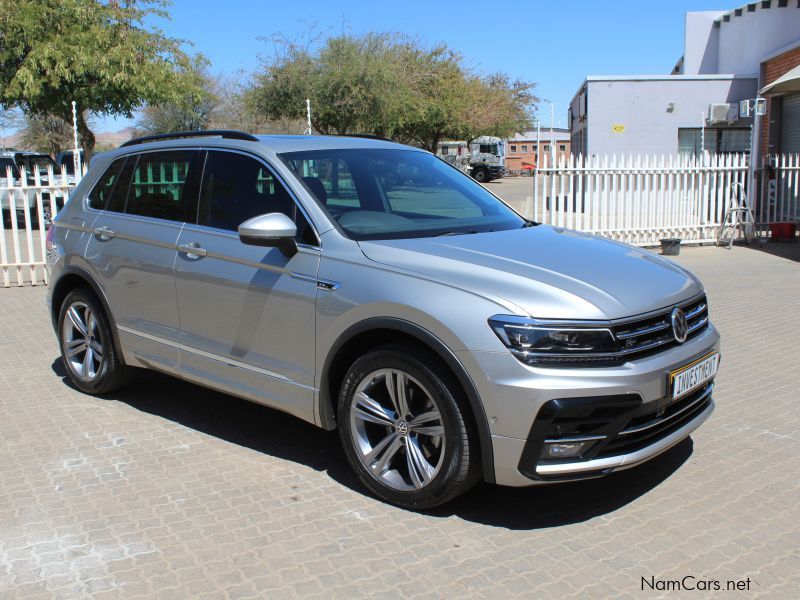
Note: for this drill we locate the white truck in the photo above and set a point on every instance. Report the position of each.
(14, 164)
(484, 159)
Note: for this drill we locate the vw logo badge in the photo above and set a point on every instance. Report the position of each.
(401, 427)
(680, 328)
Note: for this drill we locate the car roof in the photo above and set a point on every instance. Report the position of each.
(270, 144)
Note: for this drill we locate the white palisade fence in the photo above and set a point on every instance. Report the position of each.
(28, 203)
(639, 199)
(781, 193)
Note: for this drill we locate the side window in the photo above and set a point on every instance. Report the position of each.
(330, 180)
(98, 197)
(159, 185)
(120, 192)
(237, 187)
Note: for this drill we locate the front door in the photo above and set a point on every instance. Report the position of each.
(247, 312)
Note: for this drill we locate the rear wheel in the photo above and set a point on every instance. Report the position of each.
(87, 346)
(405, 430)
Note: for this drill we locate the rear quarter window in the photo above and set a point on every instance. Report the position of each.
(102, 190)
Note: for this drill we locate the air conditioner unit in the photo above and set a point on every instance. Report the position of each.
(722, 113)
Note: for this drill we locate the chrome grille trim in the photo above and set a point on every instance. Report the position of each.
(646, 330)
(653, 331)
(698, 325)
(696, 311)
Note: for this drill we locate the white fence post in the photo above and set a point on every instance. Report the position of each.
(24, 203)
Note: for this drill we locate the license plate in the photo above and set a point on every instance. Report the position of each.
(692, 376)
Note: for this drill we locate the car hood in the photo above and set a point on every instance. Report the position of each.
(549, 273)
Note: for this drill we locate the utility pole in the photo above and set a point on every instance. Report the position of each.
(552, 135)
(76, 157)
(309, 131)
(702, 134)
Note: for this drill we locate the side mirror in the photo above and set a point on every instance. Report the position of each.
(274, 229)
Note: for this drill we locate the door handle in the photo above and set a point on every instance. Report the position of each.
(192, 250)
(104, 233)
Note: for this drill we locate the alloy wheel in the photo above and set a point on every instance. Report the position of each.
(83, 347)
(397, 430)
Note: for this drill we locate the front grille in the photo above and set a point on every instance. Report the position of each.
(643, 430)
(641, 337)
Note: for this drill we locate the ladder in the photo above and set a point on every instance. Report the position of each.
(738, 218)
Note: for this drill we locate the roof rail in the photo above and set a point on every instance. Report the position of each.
(224, 133)
(368, 136)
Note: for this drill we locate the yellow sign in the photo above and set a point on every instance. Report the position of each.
(618, 128)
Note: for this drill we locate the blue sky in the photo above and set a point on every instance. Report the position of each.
(555, 43)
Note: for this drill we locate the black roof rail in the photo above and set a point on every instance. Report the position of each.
(368, 136)
(230, 134)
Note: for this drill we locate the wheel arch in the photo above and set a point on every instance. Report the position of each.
(380, 330)
(72, 277)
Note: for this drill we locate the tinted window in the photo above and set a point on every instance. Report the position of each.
(98, 198)
(390, 194)
(119, 194)
(5, 163)
(236, 188)
(159, 184)
(331, 181)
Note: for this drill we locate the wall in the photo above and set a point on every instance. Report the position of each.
(701, 43)
(516, 160)
(745, 40)
(771, 70)
(640, 107)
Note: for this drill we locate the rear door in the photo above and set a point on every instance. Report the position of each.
(247, 313)
(133, 250)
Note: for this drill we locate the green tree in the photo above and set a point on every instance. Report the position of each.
(188, 112)
(99, 54)
(389, 85)
(349, 81)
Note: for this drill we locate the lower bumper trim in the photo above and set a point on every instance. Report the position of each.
(625, 461)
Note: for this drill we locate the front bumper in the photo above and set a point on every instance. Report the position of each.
(602, 466)
(516, 399)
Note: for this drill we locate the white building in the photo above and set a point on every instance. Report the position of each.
(728, 56)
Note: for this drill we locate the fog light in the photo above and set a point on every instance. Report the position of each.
(565, 449)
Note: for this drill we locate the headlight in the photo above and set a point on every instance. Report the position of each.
(552, 343)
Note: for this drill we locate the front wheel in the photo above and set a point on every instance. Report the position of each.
(406, 430)
(481, 175)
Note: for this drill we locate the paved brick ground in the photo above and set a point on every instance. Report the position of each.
(168, 490)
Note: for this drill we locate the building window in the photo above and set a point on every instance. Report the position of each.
(524, 148)
(513, 149)
(546, 148)
(732, 140)
(562, 148)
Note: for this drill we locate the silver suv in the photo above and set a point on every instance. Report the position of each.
(368, 286)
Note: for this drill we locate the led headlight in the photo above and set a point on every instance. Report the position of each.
(537, 342)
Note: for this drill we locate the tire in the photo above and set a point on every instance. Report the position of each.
(104, 370)
(480, 175)
(413, 465)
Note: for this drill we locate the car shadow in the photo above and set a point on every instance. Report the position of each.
(277, 434)
(789, 250)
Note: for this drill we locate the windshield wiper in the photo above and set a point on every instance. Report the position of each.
(457, 232)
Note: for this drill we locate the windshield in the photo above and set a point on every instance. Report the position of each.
(393, 194)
